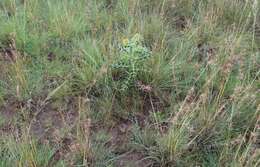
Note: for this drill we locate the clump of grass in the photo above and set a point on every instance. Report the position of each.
(24, 152)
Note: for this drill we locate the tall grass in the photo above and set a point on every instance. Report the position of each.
(196, 103)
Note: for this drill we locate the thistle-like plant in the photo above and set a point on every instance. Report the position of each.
(131, 60)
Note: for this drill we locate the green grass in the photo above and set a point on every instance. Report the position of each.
(192, 101)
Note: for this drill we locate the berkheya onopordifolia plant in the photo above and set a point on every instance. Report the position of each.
(133, 55)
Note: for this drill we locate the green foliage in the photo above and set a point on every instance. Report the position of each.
(133, 55)
(24, 153)
(198, 58)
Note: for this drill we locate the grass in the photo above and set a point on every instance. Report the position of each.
(75, 90)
